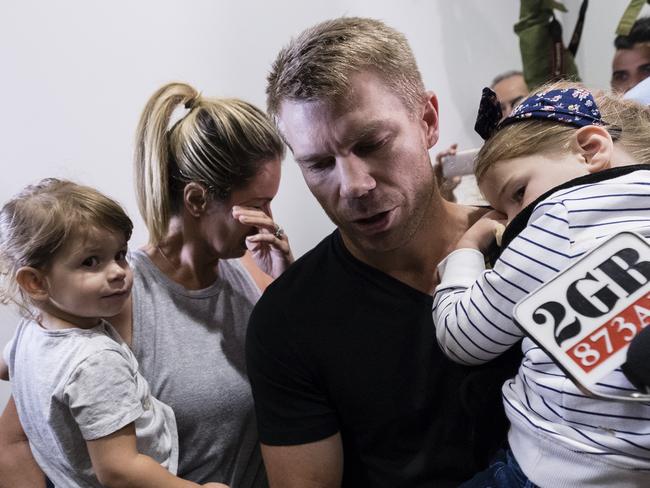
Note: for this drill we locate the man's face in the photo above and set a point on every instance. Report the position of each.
(630, 67)
(366, 161)
(510, 91)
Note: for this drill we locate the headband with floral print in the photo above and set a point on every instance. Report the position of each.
(574, 106)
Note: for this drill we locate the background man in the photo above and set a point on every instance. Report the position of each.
(350, 385)
(631, 63)
(511, 89)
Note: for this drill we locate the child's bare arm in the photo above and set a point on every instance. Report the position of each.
(117, 463)
(18, 469)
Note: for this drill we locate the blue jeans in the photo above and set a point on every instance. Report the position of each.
(504, 472)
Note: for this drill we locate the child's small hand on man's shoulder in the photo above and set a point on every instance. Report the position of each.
(485, 230)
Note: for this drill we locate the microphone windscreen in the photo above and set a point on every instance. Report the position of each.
(637, 366)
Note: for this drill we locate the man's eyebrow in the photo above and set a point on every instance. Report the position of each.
(349, 138)
(368, 129)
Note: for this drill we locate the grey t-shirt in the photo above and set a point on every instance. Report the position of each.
(75, 385)
(190, 346)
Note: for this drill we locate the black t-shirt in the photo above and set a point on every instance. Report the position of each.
(335, 345)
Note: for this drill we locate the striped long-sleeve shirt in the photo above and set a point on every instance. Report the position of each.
(559, 436)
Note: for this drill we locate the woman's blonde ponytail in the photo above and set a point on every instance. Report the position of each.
(153, 158)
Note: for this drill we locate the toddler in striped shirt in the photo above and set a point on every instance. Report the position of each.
(572, 170)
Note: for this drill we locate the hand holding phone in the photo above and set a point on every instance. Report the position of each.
(459, 164)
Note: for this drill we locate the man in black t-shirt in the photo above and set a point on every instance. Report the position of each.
(349, 383)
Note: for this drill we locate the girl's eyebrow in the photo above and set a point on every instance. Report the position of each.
(84, 251)
(505, 186)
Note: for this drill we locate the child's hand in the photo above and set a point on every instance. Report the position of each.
(216, 485)
(480, 235)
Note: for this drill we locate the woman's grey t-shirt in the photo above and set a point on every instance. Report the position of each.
(190, 346)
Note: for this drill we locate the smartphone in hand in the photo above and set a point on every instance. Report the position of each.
(459, 164)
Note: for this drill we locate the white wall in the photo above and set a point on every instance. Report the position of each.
(76, 73)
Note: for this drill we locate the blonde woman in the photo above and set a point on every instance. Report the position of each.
(206, 171)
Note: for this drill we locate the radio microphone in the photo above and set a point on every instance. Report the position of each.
(637, 365)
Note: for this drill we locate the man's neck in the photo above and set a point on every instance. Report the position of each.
(415, 263)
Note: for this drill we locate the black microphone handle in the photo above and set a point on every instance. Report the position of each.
(637, 366)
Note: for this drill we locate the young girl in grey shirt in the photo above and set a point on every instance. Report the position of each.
(87, 411)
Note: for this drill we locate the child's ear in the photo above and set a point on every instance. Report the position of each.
(195, 198)
(596, 146)
(32, 282)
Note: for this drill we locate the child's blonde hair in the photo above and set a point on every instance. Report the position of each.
(40, 219)
(627, 122)
(632, 118)
(220, 143)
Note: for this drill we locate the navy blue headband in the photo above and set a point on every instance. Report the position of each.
(574, 106)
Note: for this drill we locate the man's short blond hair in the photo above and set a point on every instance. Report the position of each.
(318, 64)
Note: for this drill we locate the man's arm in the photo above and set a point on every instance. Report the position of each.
(315, 465)
(297, 425)
(18, 469)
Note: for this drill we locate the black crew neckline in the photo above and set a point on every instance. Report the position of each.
(371, 273)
